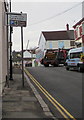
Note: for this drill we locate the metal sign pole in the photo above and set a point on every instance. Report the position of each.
(17, 20)
(11, 78)
(7, 79)
(22, 57)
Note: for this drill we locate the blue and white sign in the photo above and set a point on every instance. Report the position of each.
(16, 19)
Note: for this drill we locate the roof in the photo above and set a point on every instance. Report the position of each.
(59, 35)
(78, 23)
(80, 49)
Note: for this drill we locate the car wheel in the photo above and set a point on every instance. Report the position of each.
(46, 65)
(80, 69)
(55, 65)
(67, 68)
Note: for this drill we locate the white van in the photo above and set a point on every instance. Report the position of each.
(75, 59)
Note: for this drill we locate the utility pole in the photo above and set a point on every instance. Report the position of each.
(11, 78)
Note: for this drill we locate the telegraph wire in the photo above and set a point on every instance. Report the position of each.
(61, 13)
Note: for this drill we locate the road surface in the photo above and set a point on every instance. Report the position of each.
(64, 86)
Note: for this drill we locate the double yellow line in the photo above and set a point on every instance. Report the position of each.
(57, 105)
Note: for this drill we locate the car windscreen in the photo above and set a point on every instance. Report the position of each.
(75, 55)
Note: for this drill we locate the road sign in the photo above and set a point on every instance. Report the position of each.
(16, 19)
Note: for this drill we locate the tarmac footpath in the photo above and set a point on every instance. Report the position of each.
(20, 103)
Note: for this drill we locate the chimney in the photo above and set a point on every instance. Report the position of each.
(67, 26)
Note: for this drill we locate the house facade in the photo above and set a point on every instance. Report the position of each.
(55, 40)
(59, 39)
(3, 46)
(29, 58)
(28, 55)
(79, 33)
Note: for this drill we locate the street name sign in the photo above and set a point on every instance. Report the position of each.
(16, 19)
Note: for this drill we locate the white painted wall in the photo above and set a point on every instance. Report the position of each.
(82, 9)
(55, 44)
(51, 44)
(27, 54)
(0, 47)
(67, 44)
(3, 48)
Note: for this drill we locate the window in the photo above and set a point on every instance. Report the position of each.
(75, 55)
(61, 44)
(72, 43)
(50, 45)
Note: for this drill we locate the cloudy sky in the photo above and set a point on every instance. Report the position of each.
(50, 15)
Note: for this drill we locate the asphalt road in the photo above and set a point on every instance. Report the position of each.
(64, 86)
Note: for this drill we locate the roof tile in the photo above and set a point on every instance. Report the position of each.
(59, 35)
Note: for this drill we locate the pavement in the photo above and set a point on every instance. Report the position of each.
(23, 103)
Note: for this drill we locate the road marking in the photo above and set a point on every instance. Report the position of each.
(60, 108)
(44, 106)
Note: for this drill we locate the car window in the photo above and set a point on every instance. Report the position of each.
(75, 55)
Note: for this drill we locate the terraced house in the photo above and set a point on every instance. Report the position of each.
(79, 33)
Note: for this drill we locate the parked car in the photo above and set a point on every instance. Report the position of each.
(28, 64)
(75, 59)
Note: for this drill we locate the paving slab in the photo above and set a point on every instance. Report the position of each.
(28, 99)
(19, 102)
(28, 114)
(11, 99)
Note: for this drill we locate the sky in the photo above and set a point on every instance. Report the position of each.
(50, 15)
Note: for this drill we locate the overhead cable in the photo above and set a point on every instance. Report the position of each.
(61, 13)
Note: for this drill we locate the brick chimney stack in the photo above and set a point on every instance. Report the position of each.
(67, 26)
